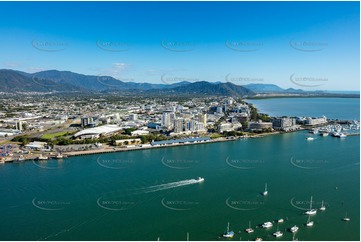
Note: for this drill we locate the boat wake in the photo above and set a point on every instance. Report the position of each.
(166, 186)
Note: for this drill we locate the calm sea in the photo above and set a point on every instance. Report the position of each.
(151, 194)
(334, 108)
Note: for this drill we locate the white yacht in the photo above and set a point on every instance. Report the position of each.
(249, 229)
(310, 138)
(346, 219)
(265, 193)
(278, 234)
(21, 158)
(41, 157)
(311, 211)
(322, 208)
(59, 156)
(309, 222)
(267, 225)
(228, 234)
(281, 220)
(294, 229)
(342, 135)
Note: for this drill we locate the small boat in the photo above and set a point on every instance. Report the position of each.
(21, 158)
(281, 220)
(346, 219)
(309, 222)
(265, 193)
(258, 239)
(310, 138)
(249, 229)
(311, 211)
(324, 133)
(342, 135)
(322, 208)
(267, 225)
(228, 234)
(59, 156)
(200, 179)
(294, 229)
(41, 157)
(335, 134)
(187, 236)
(278, 234)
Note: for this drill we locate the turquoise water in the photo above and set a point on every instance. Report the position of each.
(335, 108)
(150, 194)
(73, 202)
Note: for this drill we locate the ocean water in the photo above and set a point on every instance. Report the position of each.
(334, 108)
(151, 194)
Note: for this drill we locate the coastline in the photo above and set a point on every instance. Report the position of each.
(111, 149)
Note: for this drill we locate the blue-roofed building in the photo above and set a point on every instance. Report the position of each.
(180, 141)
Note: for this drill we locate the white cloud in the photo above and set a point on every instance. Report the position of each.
(12, 65)
(116, 69)
(34, 69)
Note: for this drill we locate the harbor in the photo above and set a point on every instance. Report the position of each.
(154, 182)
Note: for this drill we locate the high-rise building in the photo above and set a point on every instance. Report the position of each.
(191, 125)
(133, 117)
(202, 118)
(19, 125)
(84, 121)
(168, 118)
(178, 125)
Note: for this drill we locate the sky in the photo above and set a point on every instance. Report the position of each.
(301, 45)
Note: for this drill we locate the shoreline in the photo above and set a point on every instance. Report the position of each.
(112, 149)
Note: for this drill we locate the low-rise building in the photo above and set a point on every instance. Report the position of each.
(36, 145)
(259, 125)
(283, 123)
(98, 131)
(315, 121)
(139, 132)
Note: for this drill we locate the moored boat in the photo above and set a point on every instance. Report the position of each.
(228, 234)
(294, 229)
(267, 225)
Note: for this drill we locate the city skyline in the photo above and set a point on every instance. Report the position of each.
(290, 44)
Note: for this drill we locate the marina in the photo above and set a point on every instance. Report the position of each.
(140, 177)
(182, 183)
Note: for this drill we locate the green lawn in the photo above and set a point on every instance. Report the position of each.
(51, 136)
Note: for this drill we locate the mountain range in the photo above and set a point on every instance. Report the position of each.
(66, 81)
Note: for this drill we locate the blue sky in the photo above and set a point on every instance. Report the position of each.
(307, 45)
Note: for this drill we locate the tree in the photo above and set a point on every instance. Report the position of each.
(25, 126)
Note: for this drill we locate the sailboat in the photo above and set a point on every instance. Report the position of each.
(294, 229)
(322, 208)
(346, 218)
(311, 211)
(187, 236)
(249, 229)
(265, 193)
(228, 234)
(309, 222)
(278, 233)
